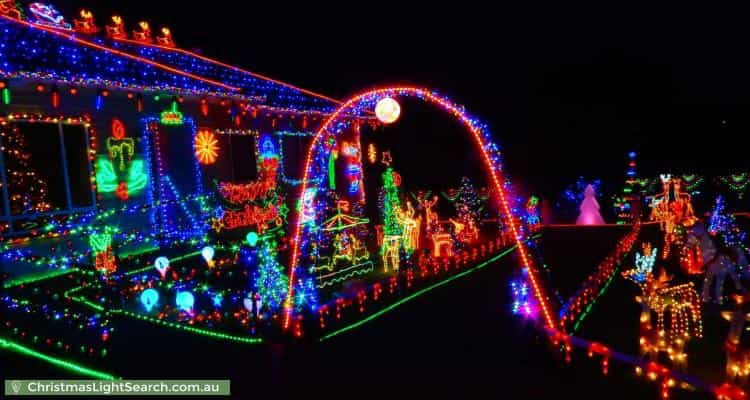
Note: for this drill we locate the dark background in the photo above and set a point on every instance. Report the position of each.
(568, 90)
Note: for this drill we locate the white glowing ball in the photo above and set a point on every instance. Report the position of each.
(387, 110)
(161, 264)
(208, 253)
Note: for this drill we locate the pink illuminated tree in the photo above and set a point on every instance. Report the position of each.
(589, 214)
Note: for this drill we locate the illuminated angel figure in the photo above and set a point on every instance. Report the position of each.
(206, 147)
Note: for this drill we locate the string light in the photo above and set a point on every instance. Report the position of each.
(594, 283)
(737, 183)
(58, 362)
(5, 92)
(490, 157)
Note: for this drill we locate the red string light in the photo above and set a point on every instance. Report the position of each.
(497, 182)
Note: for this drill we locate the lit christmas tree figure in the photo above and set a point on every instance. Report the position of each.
(390, 203)
(723, 223)
(390, 207)
(589, 209)
(627, 204)
(270, 281)
(468, 211)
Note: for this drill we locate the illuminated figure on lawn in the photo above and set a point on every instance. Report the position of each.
(468, 206)
(723, 264)
(411, 226)
(738, 357)
(698, 250)
(442, 243)
(681, 301)
(85, 24)
(532, 214)
(589, 209)
(673, 210)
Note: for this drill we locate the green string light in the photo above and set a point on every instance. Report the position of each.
(203, 332)
(6, 344)
(38, 277)
(417, 294)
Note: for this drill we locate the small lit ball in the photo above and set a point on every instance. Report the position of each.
(161, 264)
(149, 298)
(252, 239)
(387, 110)
(208, 253)
(185, 301)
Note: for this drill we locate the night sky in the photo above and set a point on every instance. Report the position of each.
(567, 91)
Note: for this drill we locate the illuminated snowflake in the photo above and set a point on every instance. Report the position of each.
(206, 147)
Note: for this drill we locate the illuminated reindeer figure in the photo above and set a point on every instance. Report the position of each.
(738, 357)
(390, 252)
(431, 217)
(442, 243)
(682, 302)
(411, 225)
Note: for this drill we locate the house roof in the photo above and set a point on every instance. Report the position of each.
(38, 52)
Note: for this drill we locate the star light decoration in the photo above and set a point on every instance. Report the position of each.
(206, 147)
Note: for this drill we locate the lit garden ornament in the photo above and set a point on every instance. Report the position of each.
(208, 255)
(161, 264)
(185, 301)
(252, 303)
(589, 214)
(149, 298)
(387, 110)
(252, 239)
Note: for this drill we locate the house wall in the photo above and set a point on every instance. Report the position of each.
(168, 160)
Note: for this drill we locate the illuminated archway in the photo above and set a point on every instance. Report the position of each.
(481, 138)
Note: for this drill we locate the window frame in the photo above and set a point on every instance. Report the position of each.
(6, 216)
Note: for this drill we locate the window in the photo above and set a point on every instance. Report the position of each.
(236, 162)
(45, 170)
(295, 151)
